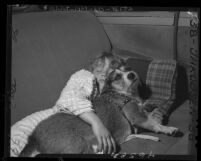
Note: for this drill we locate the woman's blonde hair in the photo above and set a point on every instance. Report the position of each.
(115, 60)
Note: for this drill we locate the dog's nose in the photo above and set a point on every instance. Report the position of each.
(131, 76)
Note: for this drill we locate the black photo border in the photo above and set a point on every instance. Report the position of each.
(6, 94)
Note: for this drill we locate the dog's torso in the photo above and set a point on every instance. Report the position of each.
(109, 108)
(65, 133)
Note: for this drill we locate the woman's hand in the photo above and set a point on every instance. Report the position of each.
(105, 140)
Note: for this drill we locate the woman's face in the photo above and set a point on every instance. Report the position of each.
(102, 69)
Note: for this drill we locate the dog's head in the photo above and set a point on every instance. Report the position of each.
(123, 80)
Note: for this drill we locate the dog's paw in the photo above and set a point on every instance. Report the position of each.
(168, 130)
(171, 130)
(177, 133)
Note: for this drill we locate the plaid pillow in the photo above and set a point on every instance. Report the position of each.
(161, 79)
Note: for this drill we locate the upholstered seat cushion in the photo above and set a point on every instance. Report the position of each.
(49, 47)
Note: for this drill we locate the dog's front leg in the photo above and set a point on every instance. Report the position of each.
(158, 128)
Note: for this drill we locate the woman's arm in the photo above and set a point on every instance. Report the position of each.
(105, 140)
(74, 99)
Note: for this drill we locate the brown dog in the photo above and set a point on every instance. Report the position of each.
(118, 107)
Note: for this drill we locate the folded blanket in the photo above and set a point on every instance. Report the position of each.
(161, 79)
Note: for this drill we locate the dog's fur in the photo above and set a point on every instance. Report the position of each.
(118, 108)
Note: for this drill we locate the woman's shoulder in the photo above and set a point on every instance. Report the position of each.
(81, 77)
(81, 80)
(83, 74)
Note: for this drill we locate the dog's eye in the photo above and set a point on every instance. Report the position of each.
(118, 76)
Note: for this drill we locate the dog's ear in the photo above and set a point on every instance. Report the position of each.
(135, 88)
(143, 90)
(140, 85)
